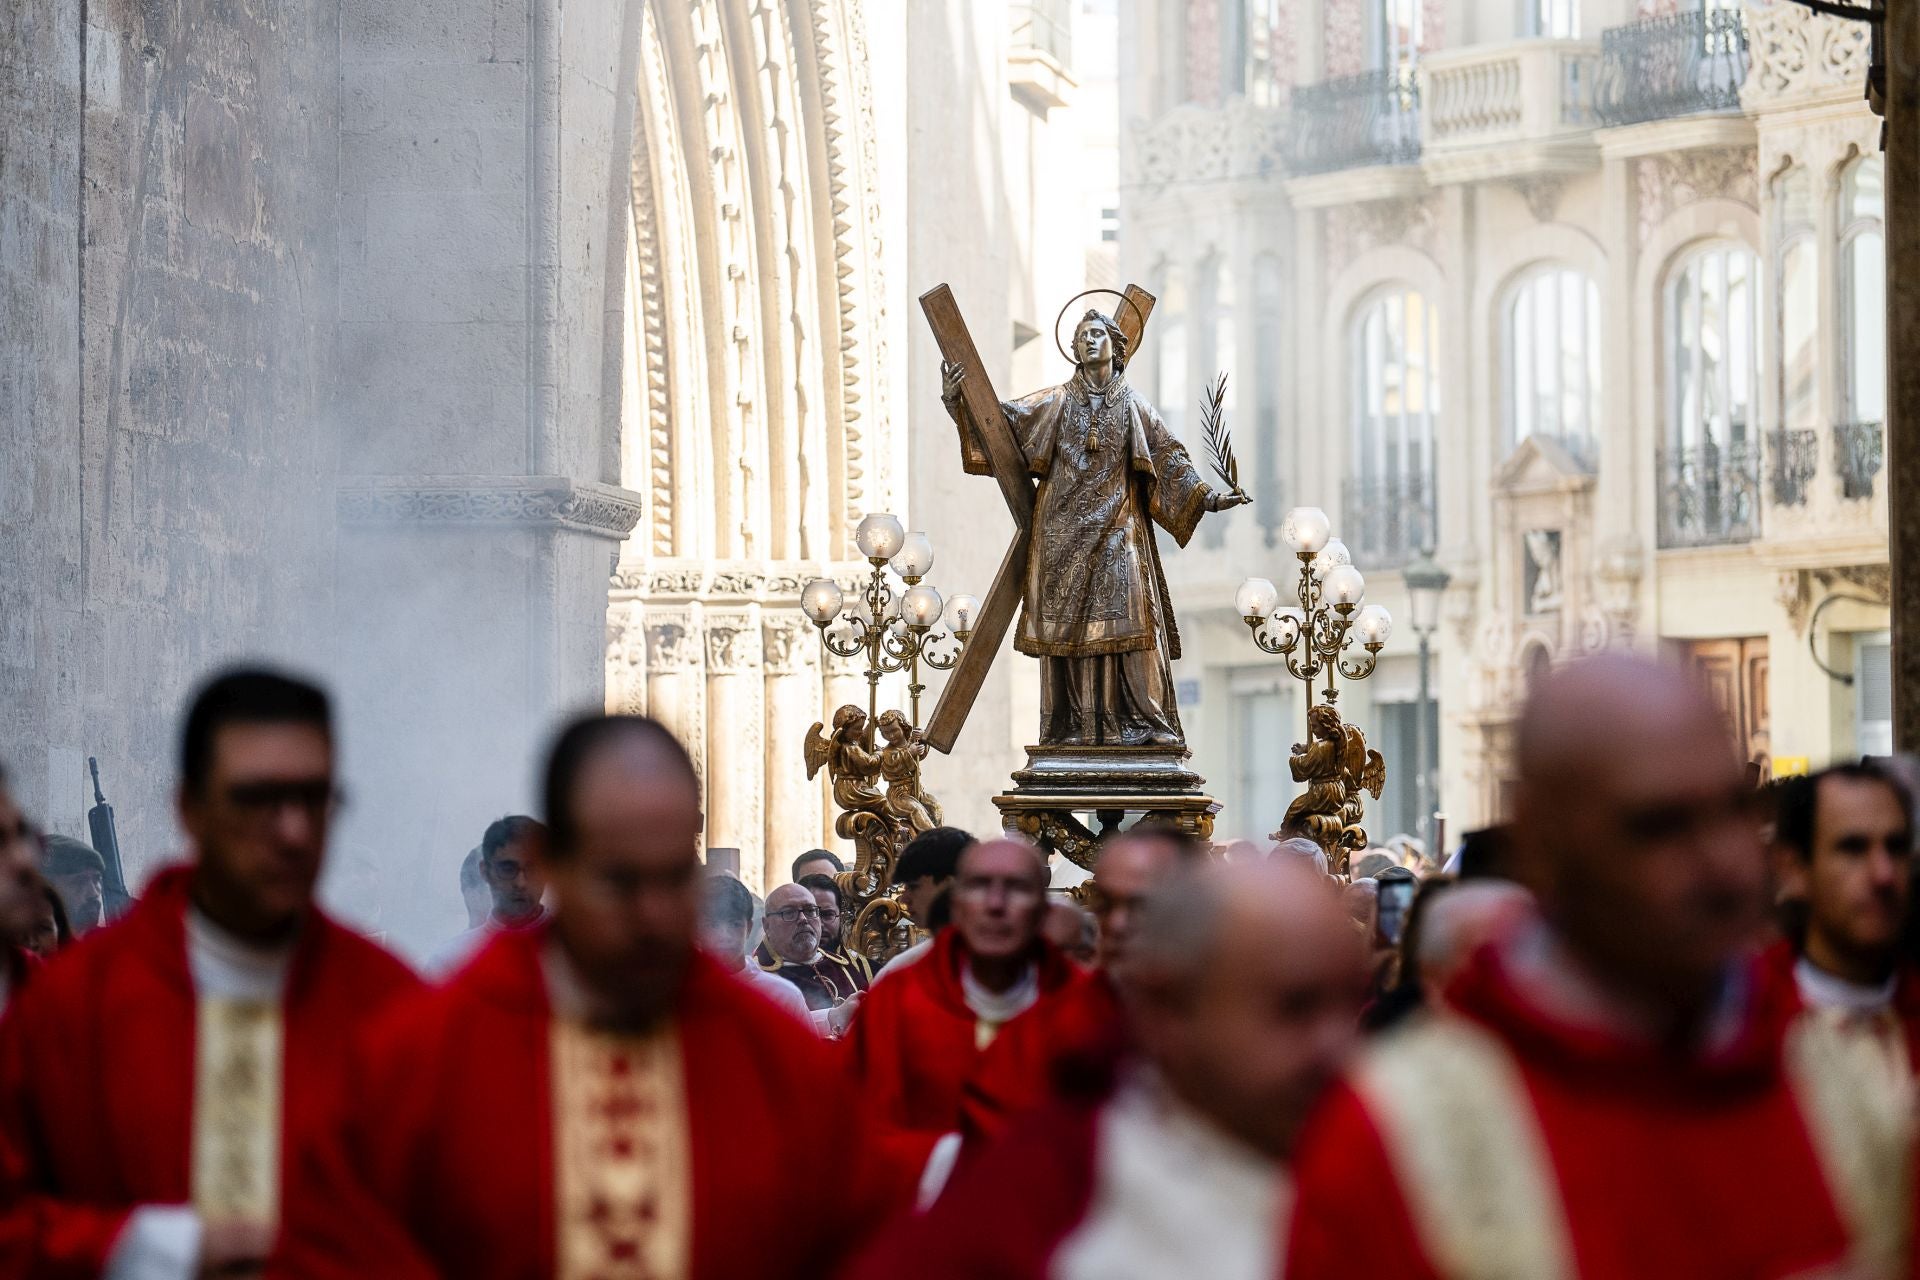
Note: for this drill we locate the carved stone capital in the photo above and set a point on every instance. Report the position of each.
(733, 642)
(672, 641)
(541, 502)
(788, 644)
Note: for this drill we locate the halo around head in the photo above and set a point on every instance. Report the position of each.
(1088, 293)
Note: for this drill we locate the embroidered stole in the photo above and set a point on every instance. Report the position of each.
(238, 1070)
(621, 1167)
(1466, 1146)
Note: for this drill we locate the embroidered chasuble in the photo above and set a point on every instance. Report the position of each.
(622, 1206)
(238, 1070)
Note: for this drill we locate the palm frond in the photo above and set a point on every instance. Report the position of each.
(1215, 436)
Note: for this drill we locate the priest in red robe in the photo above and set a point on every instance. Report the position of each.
(920, 1033)
(593, 1098)
(1614, 1091)
(1038, 1057)
(1843, 851)
(1243, 986)
(156, 1076)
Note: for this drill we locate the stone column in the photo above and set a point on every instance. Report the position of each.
(794, 805)
(736, 757)
(676, 692)
(627, 658)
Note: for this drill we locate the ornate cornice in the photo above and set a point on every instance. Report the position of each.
(1801, 57)
(762, 581)
(1193, 143)
(548, 502)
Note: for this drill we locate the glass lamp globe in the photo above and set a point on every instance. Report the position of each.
(860, 611)
(1306, 529)
(961, 611)
(880, 536)
(820, 600)
(1374, 624)
(1344, 585)
(915, 557)
(920, 606)
(1256, 598)
(1331, 557)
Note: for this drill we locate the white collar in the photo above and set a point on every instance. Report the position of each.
(1825, 990)
(1001, 1006)
(228, 967)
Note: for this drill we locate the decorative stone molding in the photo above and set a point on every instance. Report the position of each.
(763, 582)
(1664, 183)
(1194, 143)
(553, 502)
(1616, 589)
(673, 641)
(1353, 232)
(733, 643)
(1801, 58)
(626, 660)
(1796, 589)
(788, 644)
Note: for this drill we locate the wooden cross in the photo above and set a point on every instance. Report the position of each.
(1016, 485)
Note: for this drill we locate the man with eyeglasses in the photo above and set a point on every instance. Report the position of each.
(514, 884)
(646, 1113)
(156, 1079)
(792, 951)
(1614, 1089)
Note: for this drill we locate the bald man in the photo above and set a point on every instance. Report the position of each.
(792, 951)
(919, 1035)
(593, 1096)
(1076, 1037)
(1613, 1091)
(1243, 984)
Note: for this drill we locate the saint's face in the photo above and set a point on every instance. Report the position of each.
(1091, 342)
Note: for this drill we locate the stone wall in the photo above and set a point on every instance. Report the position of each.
(168, 323)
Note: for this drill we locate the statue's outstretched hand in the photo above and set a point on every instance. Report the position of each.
(951, 376)
(1218, 501)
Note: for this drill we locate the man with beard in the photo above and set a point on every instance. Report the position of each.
(514, 883)
(156, 1079)
(1242, 983)
(1615, 1091)
(792, 952)
(644, 1112)
(1843, 843)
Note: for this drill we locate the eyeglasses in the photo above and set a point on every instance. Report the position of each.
(790, 914)
(261, 802)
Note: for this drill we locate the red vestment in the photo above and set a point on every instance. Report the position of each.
(1065, 1048)
(448, 1127)
(97, 1075)
(1655, 1164)
(915, 1041)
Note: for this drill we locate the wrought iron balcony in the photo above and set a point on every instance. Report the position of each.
(1793, 457)
(1387, 520)
(1679, 64)
(1859, 450)
(1355, 121)
(1709, 494)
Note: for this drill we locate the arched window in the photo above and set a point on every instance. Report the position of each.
(1793, 445)
(1172, 349)
(1710, 466)
(1395, 380)
(1553, 359)
(1863, 326)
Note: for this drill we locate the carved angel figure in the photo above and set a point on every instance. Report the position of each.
(851, 765)
(907, 802)
(1320, 763)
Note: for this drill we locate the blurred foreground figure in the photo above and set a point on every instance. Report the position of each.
(1614, 1091)
(18, 902)
(920, 1032)
(642, 1113)
(1844, 850)
(1243, 983)
(1040, 1057)
(155, 1080)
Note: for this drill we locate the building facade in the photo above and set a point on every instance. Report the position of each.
(1583, 297)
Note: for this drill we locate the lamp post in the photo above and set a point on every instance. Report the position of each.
(1426, 584)
(1318, 638)
(893, 629)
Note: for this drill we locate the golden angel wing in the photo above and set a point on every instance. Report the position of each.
(1374, 776)
(818, 748)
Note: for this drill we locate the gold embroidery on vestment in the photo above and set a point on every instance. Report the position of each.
(238, 1067)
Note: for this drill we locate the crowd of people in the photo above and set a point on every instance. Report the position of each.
(1660, 1024)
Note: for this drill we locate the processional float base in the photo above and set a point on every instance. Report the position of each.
(1067, 798)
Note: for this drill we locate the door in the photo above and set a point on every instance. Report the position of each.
(1734, 673)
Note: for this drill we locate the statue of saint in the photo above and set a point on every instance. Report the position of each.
(1095, 608)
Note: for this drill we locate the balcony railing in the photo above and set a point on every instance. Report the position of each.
(1859, 450)
(1387, 520)
(1494, 94)
(1355, 121)
(1793, 459)
(1046, 25)
(1680, 64)
(1709, 494)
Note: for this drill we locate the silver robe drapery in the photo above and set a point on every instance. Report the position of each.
(1095, 608)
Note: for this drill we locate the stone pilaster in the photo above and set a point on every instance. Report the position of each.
(676, 690)
(736, 752)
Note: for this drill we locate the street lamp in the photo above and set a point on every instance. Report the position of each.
(894, 629)
(1426, 584)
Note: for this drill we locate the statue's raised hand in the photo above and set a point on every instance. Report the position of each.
(951, 376)
(1222, 501)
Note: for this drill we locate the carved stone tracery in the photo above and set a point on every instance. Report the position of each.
(1671, 180)
(1800, 57)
